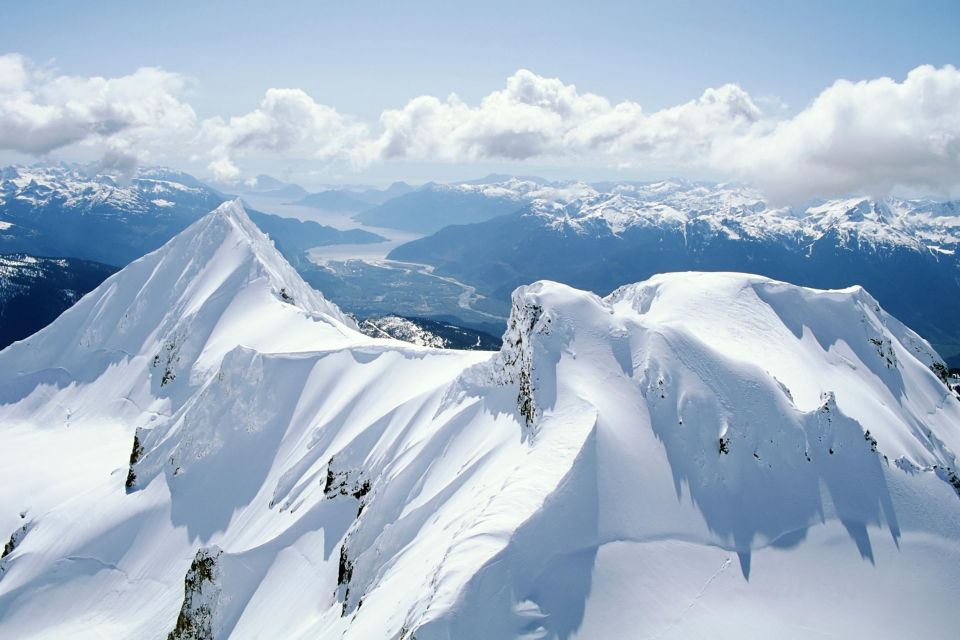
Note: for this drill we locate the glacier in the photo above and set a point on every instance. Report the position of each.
(204, 446)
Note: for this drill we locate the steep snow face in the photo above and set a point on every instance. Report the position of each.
(697, 455)
(864, 356)
(160, 327)
(742, 436)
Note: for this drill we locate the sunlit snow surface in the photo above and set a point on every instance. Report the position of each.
(686, 458)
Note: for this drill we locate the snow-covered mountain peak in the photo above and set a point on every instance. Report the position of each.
(765, 330)
(877, 223)
(524, 189)
(780, 329)
(202, 442)
(756, 390)
(855, 214)
(170, 317)
(853, 210)
(229, 225)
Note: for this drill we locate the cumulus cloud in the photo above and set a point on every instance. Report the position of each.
(287, 121)
(41, 111)
(533, 116)
(118, 162)
(536, 117)
(868, 136)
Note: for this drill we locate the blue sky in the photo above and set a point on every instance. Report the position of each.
(363, 58)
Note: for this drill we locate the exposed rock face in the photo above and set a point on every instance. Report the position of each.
(201, 598)
(517, 353)
(135, 454)
(344, 575)
(15, 538)
(522, 347)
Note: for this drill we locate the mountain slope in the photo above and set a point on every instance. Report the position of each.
(34, 291)
(431, 208)
(335, 200)
(293, 237)
(353, 199)
(698, 454)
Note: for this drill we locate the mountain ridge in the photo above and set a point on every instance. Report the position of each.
(615, 461)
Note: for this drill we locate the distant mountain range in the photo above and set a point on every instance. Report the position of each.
(903, 251)
(435, 206)
(430, 209)
(351, 200)
(262, 185)
(498, 232)
(67, 211)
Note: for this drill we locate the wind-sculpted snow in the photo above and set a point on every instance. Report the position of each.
(697, 455)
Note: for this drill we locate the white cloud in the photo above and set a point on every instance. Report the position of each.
(542, 117)
(41, 111)
(533, 116)
(868, 136)
(872, 135)
(287, 121)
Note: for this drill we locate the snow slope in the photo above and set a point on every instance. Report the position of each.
(205, 447)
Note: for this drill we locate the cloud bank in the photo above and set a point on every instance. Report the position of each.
(41, 112)
(287, 121)
(868, 136)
